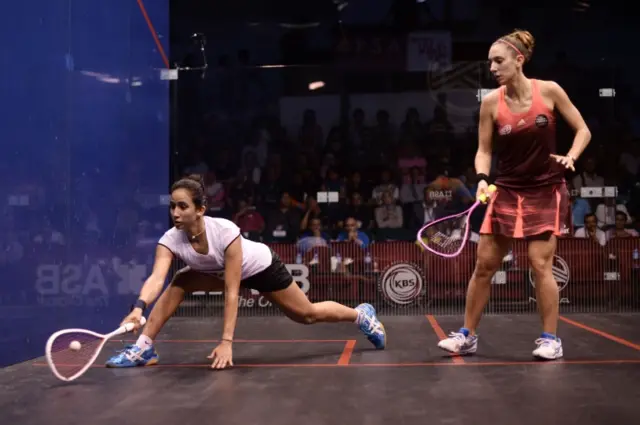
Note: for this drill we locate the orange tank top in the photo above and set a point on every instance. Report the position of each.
(524, 143)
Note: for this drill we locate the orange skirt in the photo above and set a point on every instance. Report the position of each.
(522, 213)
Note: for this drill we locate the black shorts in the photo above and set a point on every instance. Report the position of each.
(274, 278)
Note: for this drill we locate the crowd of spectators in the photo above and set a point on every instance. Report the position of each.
(389, 179)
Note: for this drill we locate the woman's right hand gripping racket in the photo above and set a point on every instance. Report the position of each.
(71, 352)
(447, 236)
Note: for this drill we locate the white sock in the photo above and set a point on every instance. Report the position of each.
(360, 317)
(144, 342)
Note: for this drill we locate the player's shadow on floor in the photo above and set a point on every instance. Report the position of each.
(332, 358)
(484, 358)
(80, 382)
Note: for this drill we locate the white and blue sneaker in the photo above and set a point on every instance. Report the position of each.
(371, 326)
(133, 356)
(459, 343)
(548, 348)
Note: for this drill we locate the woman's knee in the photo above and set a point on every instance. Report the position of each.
(486, 268)
(541, 253)
(541, 265)
(491, 251)
(295, 304)
(309, 319)
(488, 264)
(305, 317)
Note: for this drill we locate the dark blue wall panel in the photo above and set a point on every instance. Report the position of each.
(85, 150)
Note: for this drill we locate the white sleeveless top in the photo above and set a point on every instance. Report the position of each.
(220, 233)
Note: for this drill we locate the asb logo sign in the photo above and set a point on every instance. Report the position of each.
(61, 285)
(402, 283)
(561, 274)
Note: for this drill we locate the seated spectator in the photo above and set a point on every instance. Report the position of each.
(312, 211)
(47, 235)
(297, 190)
(247, 218)
(196, 164)
(258, 149)
(386, 185)
(359, 211)
(580, 207)
(270, 188)
(470, 180)
(359, 132)
(384, 132)
(630, 158)
(333, 182)
(241, 187)
(423, 212)
(439, 128)
(388, 215)
(310, 135)
(591, 231)
(224, 167)
(11, 248)
(216, 194)
(355, 184)
(352, 234)
(607, 211)
(313, 237)
(619, 231)
(412, 191)
(328, 162)
(410, 159)
(449, 194)
(252, 167)
(283, 223)
(588, 177)
(412, 129)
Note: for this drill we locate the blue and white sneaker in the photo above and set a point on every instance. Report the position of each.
(458, 343)
(371, 326)
(548, 348)
(133, 356)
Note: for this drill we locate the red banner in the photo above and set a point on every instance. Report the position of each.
(404, 275)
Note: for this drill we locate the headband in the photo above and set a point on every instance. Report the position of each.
(513, 46)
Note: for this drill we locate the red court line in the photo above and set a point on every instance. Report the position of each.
(438, 330)
(154, 34)
(345, 357)
(601, 333)
(257, 341)
(389, 365)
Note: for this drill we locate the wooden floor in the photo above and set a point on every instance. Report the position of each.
(290, 374)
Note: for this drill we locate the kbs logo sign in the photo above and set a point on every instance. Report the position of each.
(561, 274)
(402, 283)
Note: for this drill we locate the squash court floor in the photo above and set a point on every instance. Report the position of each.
(291, 374)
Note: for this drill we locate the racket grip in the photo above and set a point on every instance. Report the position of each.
(129, 326)
(483, 197)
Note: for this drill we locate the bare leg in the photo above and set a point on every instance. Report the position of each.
(295, 304)
(491, 251)
(167, 304)
(541, 252)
